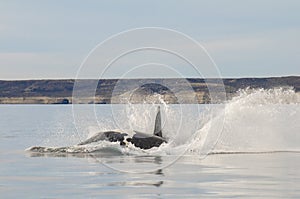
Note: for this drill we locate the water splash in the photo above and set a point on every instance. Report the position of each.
(259, 120)
(255, 121)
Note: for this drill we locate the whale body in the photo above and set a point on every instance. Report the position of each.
(139, 139)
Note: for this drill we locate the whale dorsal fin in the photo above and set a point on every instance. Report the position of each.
(157, 126)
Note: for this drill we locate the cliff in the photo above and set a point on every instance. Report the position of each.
(60, 91)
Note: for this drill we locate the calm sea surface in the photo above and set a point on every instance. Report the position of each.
(25, 175)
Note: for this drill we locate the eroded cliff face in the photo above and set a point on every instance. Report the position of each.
(134, 90)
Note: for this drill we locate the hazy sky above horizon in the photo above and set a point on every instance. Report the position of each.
(50, 39)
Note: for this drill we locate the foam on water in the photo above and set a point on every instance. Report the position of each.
(260, 120)
(256, 120)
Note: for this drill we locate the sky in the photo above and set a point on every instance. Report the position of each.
(50, 39)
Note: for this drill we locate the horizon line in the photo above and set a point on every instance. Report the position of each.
(242, 77)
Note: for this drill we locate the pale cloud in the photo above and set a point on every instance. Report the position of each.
(38, 65)
(50, 39)
(272, 52)
(233, 44)
(2, 27)
(255, 41)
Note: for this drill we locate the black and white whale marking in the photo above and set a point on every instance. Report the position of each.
(140, 140)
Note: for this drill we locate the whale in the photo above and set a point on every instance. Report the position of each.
(139, 139)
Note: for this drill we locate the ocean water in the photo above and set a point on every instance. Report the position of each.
(248, 147)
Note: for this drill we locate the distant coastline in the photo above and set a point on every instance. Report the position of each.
(60, 91)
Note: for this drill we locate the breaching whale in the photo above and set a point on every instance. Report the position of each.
(140, 140)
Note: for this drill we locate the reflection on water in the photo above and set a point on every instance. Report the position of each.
(138, 184)
(273, 175)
